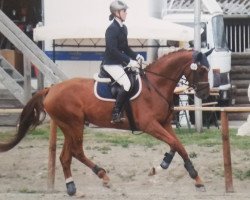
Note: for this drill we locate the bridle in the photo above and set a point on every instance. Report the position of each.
(195, 83)
(193, 65)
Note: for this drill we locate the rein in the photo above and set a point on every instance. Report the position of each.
(159, 75)
(156, 74)
(193, 85)
(170, 104)
(143, 74)
(148, 83)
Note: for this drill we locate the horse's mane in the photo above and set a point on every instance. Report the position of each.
(168, 55)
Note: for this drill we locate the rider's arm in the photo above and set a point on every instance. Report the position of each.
(127, 49)
(112, 45)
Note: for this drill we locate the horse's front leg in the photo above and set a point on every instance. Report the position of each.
(167, 135)
(187, 162)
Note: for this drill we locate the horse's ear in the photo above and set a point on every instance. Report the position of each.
(209, 52)
(197, 56)
(200, 57)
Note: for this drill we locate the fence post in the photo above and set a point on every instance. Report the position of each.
(52, 156)
(226, 152)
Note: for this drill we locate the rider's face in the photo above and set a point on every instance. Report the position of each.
(123, 14)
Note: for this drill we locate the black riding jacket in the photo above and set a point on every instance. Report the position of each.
(117, 50)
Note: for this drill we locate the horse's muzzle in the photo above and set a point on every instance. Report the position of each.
(202, 90)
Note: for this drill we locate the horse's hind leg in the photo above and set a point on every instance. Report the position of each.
(78, 153)
(66, 158)
(73, 146)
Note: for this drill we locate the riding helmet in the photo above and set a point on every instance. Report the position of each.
(118, 5)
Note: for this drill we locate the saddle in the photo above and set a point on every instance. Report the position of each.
(106, 89)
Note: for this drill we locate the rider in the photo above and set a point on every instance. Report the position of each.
(119, 55)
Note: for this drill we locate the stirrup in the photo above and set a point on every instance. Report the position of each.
(117, 118)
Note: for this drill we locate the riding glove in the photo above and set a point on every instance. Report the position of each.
(140, 58)
(133, 64)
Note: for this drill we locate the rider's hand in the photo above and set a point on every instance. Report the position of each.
(133, 64)
(140, 58)
(135, 69)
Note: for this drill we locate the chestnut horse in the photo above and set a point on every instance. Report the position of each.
(71, 103)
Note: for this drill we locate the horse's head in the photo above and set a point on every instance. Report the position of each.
(198, 74)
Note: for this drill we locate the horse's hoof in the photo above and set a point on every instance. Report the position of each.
(79, 195)
(106, 184)
(106, 181)
(71, 188)
(200, 188)
(152, 172)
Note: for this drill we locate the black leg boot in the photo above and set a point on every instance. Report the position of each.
(121, 98)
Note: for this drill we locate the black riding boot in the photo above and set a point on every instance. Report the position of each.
(121, 98)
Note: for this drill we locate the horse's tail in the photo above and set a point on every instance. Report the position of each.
(31, 116)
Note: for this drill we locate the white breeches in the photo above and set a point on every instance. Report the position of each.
(118, 74)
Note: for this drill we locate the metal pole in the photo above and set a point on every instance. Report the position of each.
(197, 47)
